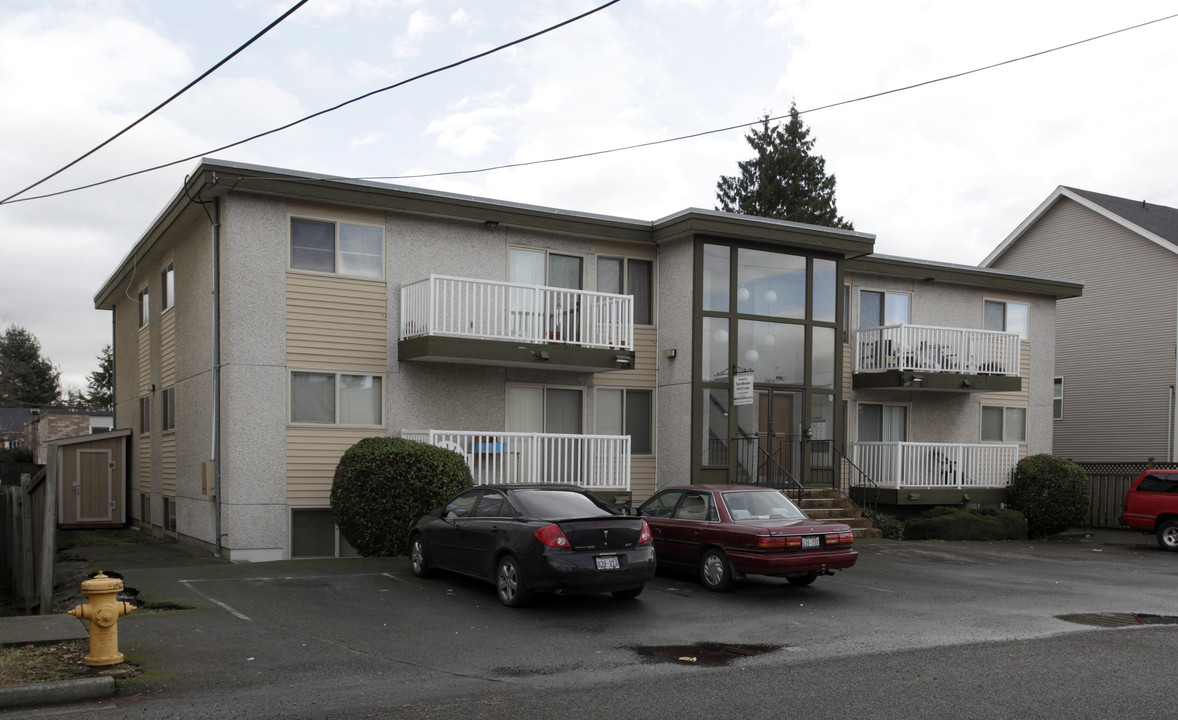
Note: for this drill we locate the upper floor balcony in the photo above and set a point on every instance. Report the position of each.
(937, 358)
(598, 462)
(486, 322)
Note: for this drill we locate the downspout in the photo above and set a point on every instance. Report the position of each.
(217, 369)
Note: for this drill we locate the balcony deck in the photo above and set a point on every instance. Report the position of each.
(463, 320)
(937, 358)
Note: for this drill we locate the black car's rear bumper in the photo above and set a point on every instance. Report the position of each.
(576, 572)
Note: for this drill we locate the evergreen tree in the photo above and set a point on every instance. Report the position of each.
(784, 181)
(26, 378)
(102, 382)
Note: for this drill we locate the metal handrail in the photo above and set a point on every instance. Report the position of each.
(869, 509)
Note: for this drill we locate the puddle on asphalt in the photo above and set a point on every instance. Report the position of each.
(705, 653)
(1111, 620)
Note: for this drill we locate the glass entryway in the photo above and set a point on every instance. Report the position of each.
(769, 437)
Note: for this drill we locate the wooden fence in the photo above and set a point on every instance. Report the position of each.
(28, 529)
(1110, 482)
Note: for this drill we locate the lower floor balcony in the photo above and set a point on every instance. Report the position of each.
(916, 465)
(597, 462)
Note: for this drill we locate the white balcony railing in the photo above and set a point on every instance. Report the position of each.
(936, 349)
(935, 465)
(592, 461)
(513, 312)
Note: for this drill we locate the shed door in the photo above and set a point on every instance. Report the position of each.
(94, 486)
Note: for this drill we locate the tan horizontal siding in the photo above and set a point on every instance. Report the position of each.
(1019, 397)
(311, 457)
(644, 372)
(642, 478)
(168, 464)
(328, 211)
(144, 352)
(336, 323)
(168, 349)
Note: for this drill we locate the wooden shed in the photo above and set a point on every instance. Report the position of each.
(92, 480)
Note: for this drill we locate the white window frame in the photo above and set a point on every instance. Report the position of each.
(168, 287)
(883, 405)
(168, 400)
(1057, 398)
(625, 289)
(1007, 411)
(546, 252)
(145, 414)
(543, 408)
(336, 251)
(1025, 332)
(625, 429)
(144, 307)
(336, 375)
(886, 294)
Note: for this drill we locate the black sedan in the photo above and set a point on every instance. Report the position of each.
(528, 538)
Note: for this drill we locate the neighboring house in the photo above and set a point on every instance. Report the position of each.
(12, 426)
(1115, 366)
(269, 319)
(47, 425)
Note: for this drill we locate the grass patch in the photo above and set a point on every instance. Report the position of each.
(43, 663)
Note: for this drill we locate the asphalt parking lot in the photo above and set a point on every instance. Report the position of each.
(293, 639)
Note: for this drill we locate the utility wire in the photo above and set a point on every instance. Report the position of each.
(704, 133)
(323, 112)
(182, 90)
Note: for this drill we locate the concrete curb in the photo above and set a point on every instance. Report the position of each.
(60, 691)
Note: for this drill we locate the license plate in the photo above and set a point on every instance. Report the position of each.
(608, 562)
(809, 543)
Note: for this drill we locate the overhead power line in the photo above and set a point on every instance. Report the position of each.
(153, 111)
(741, 126)
(289, 125)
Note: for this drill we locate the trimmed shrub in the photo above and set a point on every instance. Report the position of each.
(891, 526)
(950, 523)
(1053, 493)
(383, 484)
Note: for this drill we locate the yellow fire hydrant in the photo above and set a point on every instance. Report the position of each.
(103, 611)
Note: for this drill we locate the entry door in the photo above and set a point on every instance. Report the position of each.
(769, 431)
(94, 487)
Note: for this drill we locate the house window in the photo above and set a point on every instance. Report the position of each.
(145, 509)
(883, 423)
(144, 307)
(1057, 399)
(532, 408)
(336, 247)
(538, 267)
(336, 398)
(1004, 424)
(1011, 317)
(627, 276)
(170, 515)
(877, 309)
(145, 414)
(168, 287)
(313, 533)
(168, 397)
(627, 412)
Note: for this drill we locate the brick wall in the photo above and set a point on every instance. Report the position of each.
(53, 426)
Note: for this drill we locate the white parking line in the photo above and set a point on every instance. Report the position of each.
(188, 584)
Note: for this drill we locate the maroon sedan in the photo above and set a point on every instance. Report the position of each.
(729, 531)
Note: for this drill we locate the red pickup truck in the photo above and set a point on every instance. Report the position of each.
(1151, 505)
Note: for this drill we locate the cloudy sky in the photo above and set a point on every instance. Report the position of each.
(941, 172)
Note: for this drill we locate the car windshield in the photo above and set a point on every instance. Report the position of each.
(558, 504)
(751, 505)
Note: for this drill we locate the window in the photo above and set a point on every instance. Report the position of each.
(144, 307)
(626, 276)
(538, 267)
(313, 534)
(1004, 424)
(1057, 399)
(168, 287)
(883, 423)
(337, 247)
(170, 515)
(1158, 484)
(627, 412)
(1011, 317)
(169, 409)
(336, 398)
(145, 414)
(532, 408)
(877, 309)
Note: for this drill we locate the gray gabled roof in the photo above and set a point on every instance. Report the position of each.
(1155, 223)
(1157, 219)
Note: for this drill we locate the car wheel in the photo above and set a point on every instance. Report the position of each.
(628, 593)
(1168, 535)
(509, 583)
(802, 580)
(715, 571)
(419, 557)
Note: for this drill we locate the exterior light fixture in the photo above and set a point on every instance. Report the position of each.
(491, 224)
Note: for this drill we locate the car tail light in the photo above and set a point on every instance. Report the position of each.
(770, 543)
(843, 538)
(645, 537)
(552, 536)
